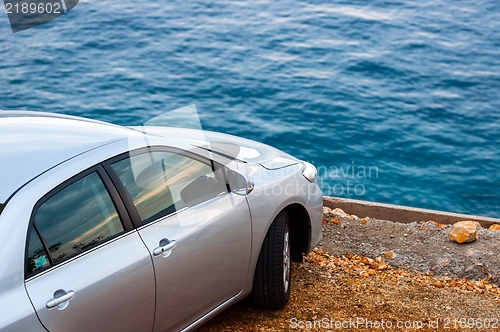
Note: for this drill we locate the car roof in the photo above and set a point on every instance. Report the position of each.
(33, 142)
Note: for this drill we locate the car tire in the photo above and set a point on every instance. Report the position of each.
(271, 282)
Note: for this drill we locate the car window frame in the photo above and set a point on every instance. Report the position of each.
(125, 196)
(119, 205)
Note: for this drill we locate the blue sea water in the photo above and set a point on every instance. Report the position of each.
(393, 101)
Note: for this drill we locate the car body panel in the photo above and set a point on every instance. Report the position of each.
(277, 163)
(209, 263)
(314, 207)
(13, 297)
(19, 314)
(118, 293)
(281, 188)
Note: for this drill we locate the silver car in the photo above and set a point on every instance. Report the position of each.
(110, 228)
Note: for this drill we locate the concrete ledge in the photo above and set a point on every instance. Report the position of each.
(402, 214)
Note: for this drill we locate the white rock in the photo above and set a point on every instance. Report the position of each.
(340, 213)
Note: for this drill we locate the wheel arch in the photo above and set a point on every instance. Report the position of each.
(300, 232)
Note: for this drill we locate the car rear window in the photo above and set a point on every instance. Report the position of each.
(80, 216)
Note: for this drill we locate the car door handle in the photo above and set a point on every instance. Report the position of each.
(165, 246)
(60, 297)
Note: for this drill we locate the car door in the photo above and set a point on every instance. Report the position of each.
(199, 234)
(87, 268)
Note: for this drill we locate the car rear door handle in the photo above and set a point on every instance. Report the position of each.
(60, 299)
(164, 249)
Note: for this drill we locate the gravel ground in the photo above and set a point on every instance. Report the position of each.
(422, 246)
(343, 293)
(363, 279)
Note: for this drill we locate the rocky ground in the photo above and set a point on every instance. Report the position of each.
(423, 246)
(375, 275)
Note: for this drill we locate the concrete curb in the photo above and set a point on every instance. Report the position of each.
(402, 214)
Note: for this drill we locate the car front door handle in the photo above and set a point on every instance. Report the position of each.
(164, 249)
(60, 299)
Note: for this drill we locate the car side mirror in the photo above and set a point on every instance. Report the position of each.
(239, 183)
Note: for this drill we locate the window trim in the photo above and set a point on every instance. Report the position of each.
(129, 203)
(32, 228)
(115, 198)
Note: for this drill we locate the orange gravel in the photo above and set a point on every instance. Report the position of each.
(353, 293)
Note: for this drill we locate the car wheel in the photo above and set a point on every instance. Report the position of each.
(271, 282)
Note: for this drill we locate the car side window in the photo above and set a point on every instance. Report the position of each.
(160, 183)
(76, 218)
(37, 256)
